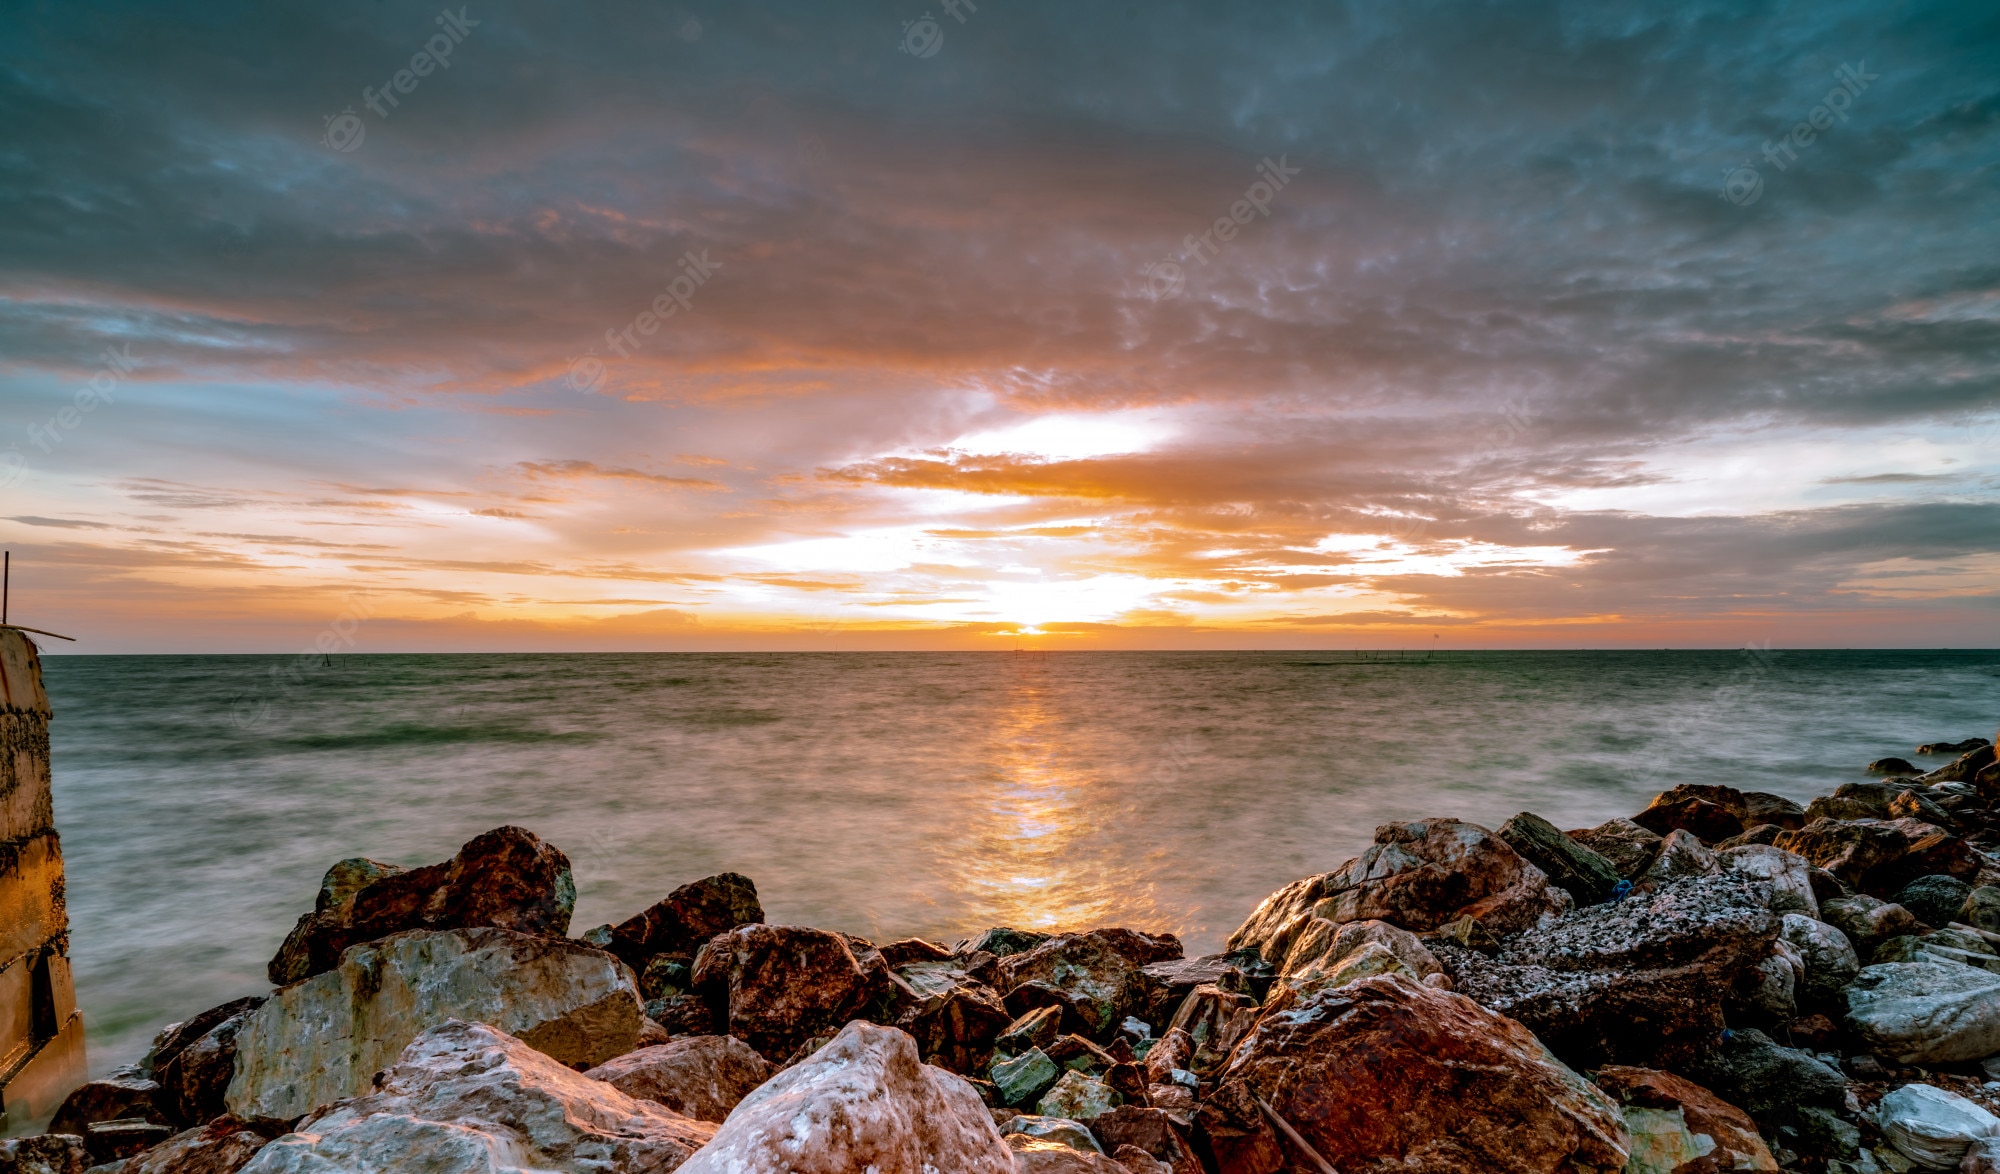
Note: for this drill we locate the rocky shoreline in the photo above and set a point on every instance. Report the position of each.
(1726, 981)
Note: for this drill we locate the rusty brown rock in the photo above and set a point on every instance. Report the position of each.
(1625, 844)
(1151, 1130)
(685, 919)
(1387, 1076)
(222, 1146)
(1738, 1146)
(1686, 809)
(1098, 974)
(782, 985)
(700, 1076)
(119, 1095)
(1172, 1050)
(298, 957)
(1213, 1020)
(956, 1029)
(507, 878)
(1418, 876)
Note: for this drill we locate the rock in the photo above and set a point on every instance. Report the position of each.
(1152, 1131)
(507, 879)
(1681, 855)
(1869, 800)
(1763, 833)
(1982, 1157)
(331, 912)
(122, 1094)
(1662, 1142)
(1952, 747)
(1213, 1020)
(1640, 981)
(1913, 804)
(1628, 846)
(1935, 900)
(47, 1153)
(1138, 1161)
(684, 921)
(956, 1028)
(1932, 1127)
(1926, 1012)
(1849, 849)
(1174, 1050)
(1099, 972)
(466, 1098)
(1587, 876)
(177, 1036)
(1930, 852)
(1026, 1077)
(1694, 808)
(195, 1075)
(1321, 949)
(1982, 908)
(113, 1141)
(323, 1039)
(1830, 962)
(909, 950)
(1000, 941)
(1418, 876)
(1767, 1080)
(862, 1101)
(783, 984)
(1961, 769)
(1073, 1134)
(1078, 1097)
(1390, 1075)
(1730, 1133)
(1770, 995)
(1037, 1155)
(1869, 921)
(222, 1146)
(1892, 766)
(1788, 873)
(1168, 983)
(1036, 1029)
(702, 1076)
(1827, 886)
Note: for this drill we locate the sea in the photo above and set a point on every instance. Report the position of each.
(200, 798)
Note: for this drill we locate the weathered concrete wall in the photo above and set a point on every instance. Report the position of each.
(41, 1031)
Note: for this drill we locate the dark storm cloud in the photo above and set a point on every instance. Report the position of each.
(1507, 264)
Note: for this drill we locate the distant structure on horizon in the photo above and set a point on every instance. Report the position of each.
(41, 1031)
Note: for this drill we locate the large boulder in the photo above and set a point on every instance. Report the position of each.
(1869, 921)
(1926, 1012)
(1962, 769)
(195, 1061)
(1098, 974)
(1719, 1130)
(1322, 946)
(1681, 855)
(1932, 1127)
(323, 1039)
(1588, 877)
(1773, 1083)
(782, 985)
(699, 1076)
(507, 878)
(956, 1028)
(121, 1095)
(466, 1098)
(682, 922)
(1628, 846)
(1880, 856)
(311, 946)
(1830, 962)
(1388, 1075)
(1694, 808)
(1418, 876)
(1935, 900)
(864, 1101)
(44, 1153)
(1641, 981)
(1788, 873)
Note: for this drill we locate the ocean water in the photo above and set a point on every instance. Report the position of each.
(200, 798)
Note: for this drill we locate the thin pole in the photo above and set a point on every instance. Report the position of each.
(6, 583)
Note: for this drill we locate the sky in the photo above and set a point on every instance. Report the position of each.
(908, 325)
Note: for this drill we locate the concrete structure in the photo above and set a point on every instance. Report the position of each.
(41, 1031)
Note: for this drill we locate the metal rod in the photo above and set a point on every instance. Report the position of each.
(1285, 1127)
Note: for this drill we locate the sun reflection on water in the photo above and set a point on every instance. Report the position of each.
(1042, 853)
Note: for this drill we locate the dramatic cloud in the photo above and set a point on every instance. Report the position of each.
(1540, 323)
